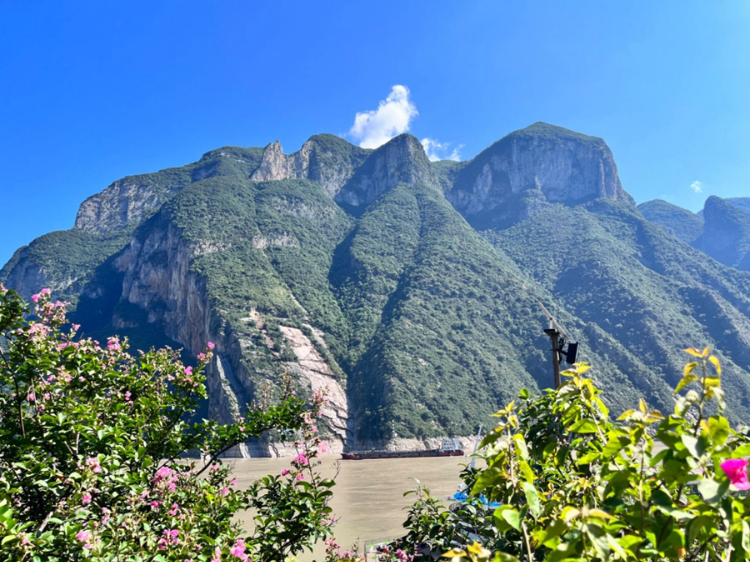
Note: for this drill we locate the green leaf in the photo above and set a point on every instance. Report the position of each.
(532, 498)
(718, 429)
(557, 528)
(583, 426)
(512, 517)
(711, 491)
(486, 478)
(521, 448)
(693, 445)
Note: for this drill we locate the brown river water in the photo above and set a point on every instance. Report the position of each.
(368, 497)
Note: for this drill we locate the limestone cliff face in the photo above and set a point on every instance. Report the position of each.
(400, 160)
(541, 163)
(28, 277)
(157, 278)
(327, 159)
(126, 201)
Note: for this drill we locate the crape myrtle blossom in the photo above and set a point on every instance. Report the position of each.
(128, 408)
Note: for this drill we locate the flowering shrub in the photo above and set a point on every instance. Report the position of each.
(574, 485)
(92, 441)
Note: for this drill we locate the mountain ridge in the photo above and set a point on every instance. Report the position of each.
(407, 287)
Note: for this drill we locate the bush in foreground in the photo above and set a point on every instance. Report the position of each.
(91, 440)
(574, 485)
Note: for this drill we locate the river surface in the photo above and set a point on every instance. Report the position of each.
(368, 497)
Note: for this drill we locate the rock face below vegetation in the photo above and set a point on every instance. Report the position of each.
(408, 289)
(540, 163)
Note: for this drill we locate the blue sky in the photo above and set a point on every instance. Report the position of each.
(93, 91)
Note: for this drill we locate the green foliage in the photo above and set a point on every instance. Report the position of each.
(637, 295)
(92, 445)
(682, 223)
(575, 485)
(726, 235)
(65, 259)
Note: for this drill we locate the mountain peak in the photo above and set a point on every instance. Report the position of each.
(547, 131)
(401, 160)
(524, 169)
(726, 235)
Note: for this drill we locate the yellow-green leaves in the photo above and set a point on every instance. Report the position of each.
(695, 353)
(687, 377)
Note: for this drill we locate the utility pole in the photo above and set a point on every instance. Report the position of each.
(559, 337)
(554, 335)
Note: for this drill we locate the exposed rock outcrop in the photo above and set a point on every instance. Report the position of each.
(541, 163)
(124, 202)
(726, 233)
(400, 160)
(327, 159)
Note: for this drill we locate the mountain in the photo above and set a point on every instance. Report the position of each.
(721, 229)
(409, 288)
(726, 235)
(682, 223)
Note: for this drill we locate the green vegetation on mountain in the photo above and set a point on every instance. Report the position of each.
(64, 260)
(410, 287)
(726, 235)
(627, 278)
(682, 223)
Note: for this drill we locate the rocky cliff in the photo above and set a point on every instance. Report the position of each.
(726, 234)
(542, 163)
(326, 159)
(356, 270)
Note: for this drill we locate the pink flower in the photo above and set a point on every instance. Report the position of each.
(323, 446)
(238, 550)
(201, 356)
(189, 371)
(224, 492)
(301, 460)
(86, 499)
(84, 536)
(210, 345)
(35, 297)
(45, 292)
(300, 477)
(285, 472)
(174, 510)
(93, 464)
(736, 471)
(31, 397)
(217, 555)
(113, 344)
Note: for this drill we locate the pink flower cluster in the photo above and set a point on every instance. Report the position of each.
(238, 550)
(85, 537)
(171, 537)
(166, 479)
(93, 464)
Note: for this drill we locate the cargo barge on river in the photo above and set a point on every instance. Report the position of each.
(449, 448)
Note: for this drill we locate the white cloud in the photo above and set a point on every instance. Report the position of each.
(697, 187)
(392, 117)
(437, 150)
